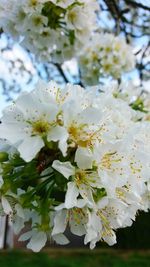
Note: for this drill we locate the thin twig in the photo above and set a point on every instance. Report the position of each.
(61, 72)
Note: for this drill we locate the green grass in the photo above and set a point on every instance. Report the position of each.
(71, 258)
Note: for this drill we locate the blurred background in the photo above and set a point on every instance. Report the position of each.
(19, 71)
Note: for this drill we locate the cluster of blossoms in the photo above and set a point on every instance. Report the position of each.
(105, 55)
(54, 29)
(137, 98)
(72, 158)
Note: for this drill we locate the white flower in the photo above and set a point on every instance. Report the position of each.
(107, 215)
(59, 36)
(75, 217)
(94, 224)
(105, 55)
(29, 121)
(83, 181)
(136, 97)
(92, 169)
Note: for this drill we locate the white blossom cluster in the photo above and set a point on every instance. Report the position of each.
(137, 98)
(50, 29)
(72, 158)
(105, 55)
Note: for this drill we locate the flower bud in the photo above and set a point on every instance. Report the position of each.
(3, 156)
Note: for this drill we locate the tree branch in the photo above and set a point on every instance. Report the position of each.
(61, 72)
(137, 5)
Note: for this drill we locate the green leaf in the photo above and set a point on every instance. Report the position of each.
(99, 193)
(138, 104)
(54, 14)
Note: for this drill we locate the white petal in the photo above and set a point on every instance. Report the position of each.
(6, 206)
(63, 146)
(60, 207)
(65, 168)
(91, 115)
(95, 222)
(30, 147)
(91, 235)
(10, 114)
(102, 203)
(86, 193)
(20, 211)
(81, 203)
(84, 158)
(77, 229)
(25, 236)
(61, 239)
(93, 243)
(60, 222)
(110, 239)
(11, 132)
(37, 241)
(57, 133)
(71, 195)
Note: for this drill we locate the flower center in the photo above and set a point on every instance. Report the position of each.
(78, 136)
(72, 16)
(77, 215)
(37, 21)
(86, 177)
(33, 3)
(80, 177)
(73, 131)
(40, 127)
(108, 161)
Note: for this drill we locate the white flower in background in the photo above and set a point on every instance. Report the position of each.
(50, 29)
(86, 161)
(105, 55)
(136, 97)
(63, 3)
